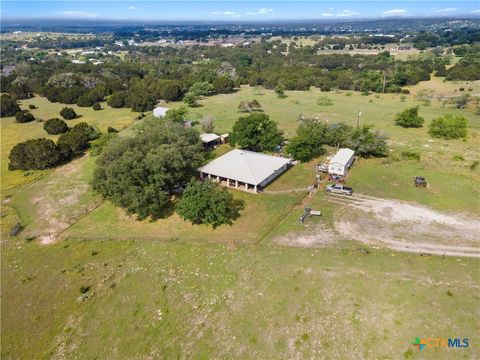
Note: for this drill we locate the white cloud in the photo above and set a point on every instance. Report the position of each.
(395, 12)
(347, 13)
(343, 13)
(446, 10)
(261, 11)
(132, 8)
(226, 13)
(476, 12)
(79, 14)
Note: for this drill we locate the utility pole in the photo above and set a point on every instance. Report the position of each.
(358, 118)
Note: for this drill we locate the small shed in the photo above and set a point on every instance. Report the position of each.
(210, 140)
(160, 111)
(341, 162)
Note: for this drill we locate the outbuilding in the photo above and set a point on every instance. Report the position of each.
(160, 112)
(245, 170)
(341, 162)
(210, 140)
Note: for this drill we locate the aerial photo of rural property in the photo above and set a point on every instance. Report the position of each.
(240, 180)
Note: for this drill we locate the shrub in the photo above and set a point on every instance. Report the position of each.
(96, 107)
(8, 106)
(78, 137)
(117, 100)
(84, 289)
(324, 101)
(449, 127)
(474, 165)
(55, 126)
(99, 144)
(458, 158)
(24, 116)
(207, 203)
(35, 154)
(409, 118)
(223, 84)
(85, 101)
(68, 113)
(410, 155)
(112, 130)
(32, 106)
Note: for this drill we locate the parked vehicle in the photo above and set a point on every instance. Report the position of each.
(420, 181)
(340, 189)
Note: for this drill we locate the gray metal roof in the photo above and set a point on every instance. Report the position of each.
(342, 157)
(245, 166)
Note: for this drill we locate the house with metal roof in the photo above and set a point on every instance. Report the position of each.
(340, 163)
(245, 170)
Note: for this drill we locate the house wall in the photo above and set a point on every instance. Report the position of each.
(272, 177)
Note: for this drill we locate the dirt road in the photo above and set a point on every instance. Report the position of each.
(397, 225)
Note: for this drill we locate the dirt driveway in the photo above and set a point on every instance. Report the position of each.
(397, 225)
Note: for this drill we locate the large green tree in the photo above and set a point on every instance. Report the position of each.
(367, 142)
(139, 172)
(207, 203)
(307, 143)
(256, 132)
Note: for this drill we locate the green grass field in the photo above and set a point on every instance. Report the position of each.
(12, 132)
(203, 301)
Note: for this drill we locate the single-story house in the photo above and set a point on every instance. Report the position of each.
(160, 112)
(210, 140)
(341, 162)
(224, 138)
(245, 170)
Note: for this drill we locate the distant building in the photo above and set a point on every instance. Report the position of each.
(245, 170)
(341, 162)
(160, 112)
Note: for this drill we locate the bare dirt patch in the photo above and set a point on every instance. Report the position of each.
(397, 225)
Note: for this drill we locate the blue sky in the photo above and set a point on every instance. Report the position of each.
(229, 10)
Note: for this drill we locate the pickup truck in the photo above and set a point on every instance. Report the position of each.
(340, 189)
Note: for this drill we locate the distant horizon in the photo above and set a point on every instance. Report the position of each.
(228, 11)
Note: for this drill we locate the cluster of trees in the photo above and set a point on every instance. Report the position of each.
(140, 172)
(313, 134)
(168, 73)
(38, 154)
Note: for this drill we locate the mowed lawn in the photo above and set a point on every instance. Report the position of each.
(13, 133)
(204, 301)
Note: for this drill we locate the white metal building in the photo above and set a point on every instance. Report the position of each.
(160, 112)
(341, 162)
(245, 170)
